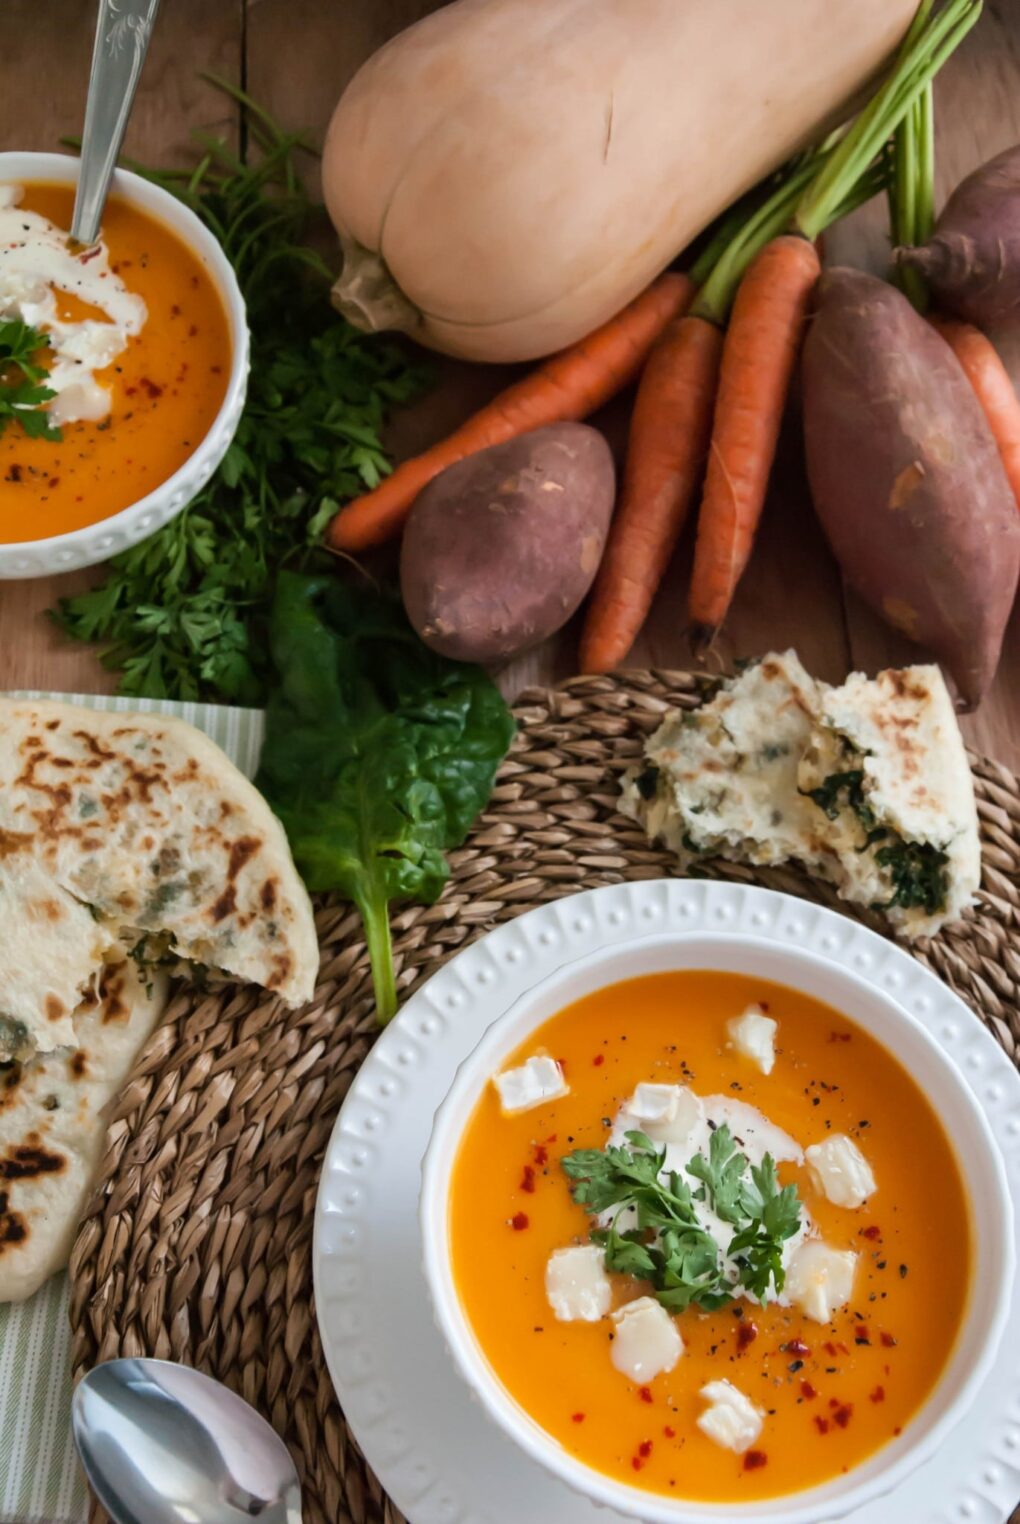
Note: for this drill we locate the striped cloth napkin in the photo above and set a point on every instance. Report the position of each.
(40, 1482)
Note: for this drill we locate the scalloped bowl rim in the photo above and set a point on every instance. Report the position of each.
(18, 165)
(977, 1342)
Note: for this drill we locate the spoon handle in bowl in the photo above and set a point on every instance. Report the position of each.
(123, 29)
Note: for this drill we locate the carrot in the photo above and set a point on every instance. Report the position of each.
(756, 368)
(670, 429)
(771, 308)
(669, 432)
(568, 386)
(993, 388)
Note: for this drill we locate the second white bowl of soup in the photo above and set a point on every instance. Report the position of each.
(778, 1338)
(146, 357)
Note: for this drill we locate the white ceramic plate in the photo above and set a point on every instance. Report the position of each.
(434, 1450)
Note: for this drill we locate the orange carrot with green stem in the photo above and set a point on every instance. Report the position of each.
(768, 317)
(668, 438)
(568, 386)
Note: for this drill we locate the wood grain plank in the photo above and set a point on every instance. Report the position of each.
(977, 115)
(51, 41)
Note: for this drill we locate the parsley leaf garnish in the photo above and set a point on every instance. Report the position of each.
(22, 381)
(667, 1245)
(184, 615)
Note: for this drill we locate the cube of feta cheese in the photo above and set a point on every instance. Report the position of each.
(667, 1113)
(820, 1279)
(731, 1420)
(576, 1284)
(536, 1081)
(646, 1341)
(840, 1171)
(753, 1035)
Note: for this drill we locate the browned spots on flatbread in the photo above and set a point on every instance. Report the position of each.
(61, 762)
(226, 808)
(95, 747)
(188, 772)
(224, 905)
(52, 724)
(26, 1161)
(51, 909)
(14, 841)
(13, 1228)
(267, 894)
(77, 1064)
(282, 965)
(905, 686)
(29, 742)
(55, 1010)
(112, 990)
(168, 860)
(241, 851)
(771, 670)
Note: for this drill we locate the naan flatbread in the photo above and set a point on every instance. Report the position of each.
(53, 1125)
(143, 820)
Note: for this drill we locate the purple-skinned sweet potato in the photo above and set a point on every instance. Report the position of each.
(906, 477)
(972, 260)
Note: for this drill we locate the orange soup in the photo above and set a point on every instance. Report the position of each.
(826, 1393)
(165, 387)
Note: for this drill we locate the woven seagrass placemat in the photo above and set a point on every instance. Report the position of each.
(197, 1246)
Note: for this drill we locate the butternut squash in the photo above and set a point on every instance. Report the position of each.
(506, 175)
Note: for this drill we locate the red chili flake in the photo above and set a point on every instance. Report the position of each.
(599, 1059)
(839, 1036)
(807, 1390)
(842, 1414)
(150, 388)
(887, 1340)
(541, 1157)
(14, 474)
(669, 1432)
(519, 1222)
(829, 1347)
(83, 259)
(645, 1393)
(54, 481)
(130, 391)
(872, 1231)
(636, 1463)
(861, 1334)
(897, 1430)
(842, 1347)
(798, 1347)
(763, 1005)
(175, 311)
(528, 1180)
(833, 1402)
(577, 1418)
(644, 1449)
(821, 1424)
(747, 1332)
(754, 1460)
(878, 1395)
(192, 331)
(551, 1138)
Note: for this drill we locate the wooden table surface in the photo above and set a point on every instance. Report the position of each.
(294, 57)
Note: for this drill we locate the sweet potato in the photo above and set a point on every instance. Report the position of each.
(906, 477)
(972, 261)
(500, 548)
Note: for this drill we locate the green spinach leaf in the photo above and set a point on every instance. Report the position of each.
(379, 754)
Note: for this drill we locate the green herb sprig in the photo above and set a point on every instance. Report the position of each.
(184, 615)
(23, 387)
(668, 1246)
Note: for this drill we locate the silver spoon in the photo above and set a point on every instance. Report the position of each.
(123, 29)
(161, 1444)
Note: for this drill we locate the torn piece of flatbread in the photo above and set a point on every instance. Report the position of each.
(721, 780)
(53, 1125)
(146, 822)
(887, 774)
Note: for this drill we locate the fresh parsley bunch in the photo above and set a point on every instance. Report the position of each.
(668, 1245)
(23, 387)
(184, 614)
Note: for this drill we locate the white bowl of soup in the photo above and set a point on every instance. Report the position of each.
(726, 1354)
(147, 359)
